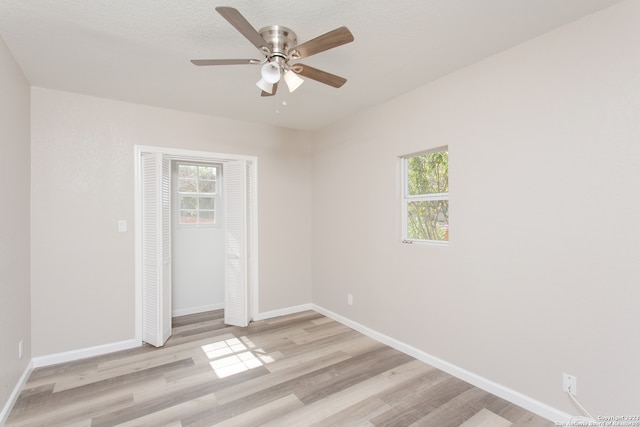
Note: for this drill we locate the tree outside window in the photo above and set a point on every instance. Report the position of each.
(426, 196)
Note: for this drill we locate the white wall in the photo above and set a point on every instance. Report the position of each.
(83, 183)
(197, 260)
(542, 272)
(15, 309)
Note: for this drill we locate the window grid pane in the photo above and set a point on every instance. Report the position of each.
(207, 203)
(187, 171)
(207, 217)
(206, 186)
(428, 173)
(186, 185)
(428, 220)
(197, 189)
(188, 216)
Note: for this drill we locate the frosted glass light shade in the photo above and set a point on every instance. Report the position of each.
(265, 85)
(270, 72)
(292, 80)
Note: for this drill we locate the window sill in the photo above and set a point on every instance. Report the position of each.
(426, 242)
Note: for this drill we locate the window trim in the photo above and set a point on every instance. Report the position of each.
(407, 198)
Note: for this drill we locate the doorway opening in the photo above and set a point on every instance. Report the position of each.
(197, 238)
(153, 237)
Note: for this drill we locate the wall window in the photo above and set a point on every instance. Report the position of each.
(198, 190)
(426, 196)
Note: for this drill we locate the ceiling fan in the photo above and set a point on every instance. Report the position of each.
(279, 46)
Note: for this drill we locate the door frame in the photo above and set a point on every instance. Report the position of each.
(252, 204)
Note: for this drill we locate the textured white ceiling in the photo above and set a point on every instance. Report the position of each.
(139, 51)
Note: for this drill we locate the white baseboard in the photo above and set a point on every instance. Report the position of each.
(194, 310)
(506, 393)
(282, 312)
(70, 356)
(499, 390)
(15, 393)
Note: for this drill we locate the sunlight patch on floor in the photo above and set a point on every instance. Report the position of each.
(234, 355)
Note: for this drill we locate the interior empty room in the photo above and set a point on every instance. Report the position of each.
(289, 212)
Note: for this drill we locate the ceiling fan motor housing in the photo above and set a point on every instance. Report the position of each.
(280, 40)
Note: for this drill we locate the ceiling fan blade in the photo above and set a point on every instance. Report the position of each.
(319, 75)
(326, 41)
(275, 89)
(236, 19)
(201, 62)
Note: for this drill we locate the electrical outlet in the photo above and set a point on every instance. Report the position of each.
(20, 350)
(570, 384)
(349, 299)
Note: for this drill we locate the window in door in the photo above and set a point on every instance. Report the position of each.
(198, 192)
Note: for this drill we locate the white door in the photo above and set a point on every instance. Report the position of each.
(156, 248)
(236, 310)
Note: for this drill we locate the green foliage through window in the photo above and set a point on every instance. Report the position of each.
(427, 196)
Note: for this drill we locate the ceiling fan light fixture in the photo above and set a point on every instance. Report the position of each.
(265, 85)
(278, 45)
(271, 72)
(292, 80)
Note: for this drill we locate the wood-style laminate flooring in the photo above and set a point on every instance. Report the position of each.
(298, 370)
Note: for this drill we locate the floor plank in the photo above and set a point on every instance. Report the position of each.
(298, 370)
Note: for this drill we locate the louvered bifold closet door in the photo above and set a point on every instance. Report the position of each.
(156, 248)
(165, 317)
(235, 198)
(250, 234)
